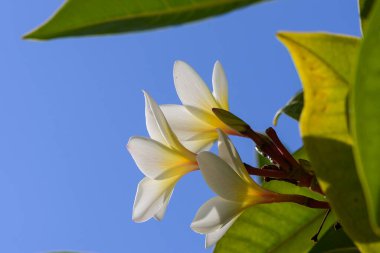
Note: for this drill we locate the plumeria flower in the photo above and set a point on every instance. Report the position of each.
(194, 122)
(227, 176)
(162, 159)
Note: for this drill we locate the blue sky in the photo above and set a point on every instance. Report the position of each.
(68, 107)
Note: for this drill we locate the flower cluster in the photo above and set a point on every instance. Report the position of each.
(180, 136)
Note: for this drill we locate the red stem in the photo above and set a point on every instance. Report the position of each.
(265, 172)
(274, 137)
(268, 148)
(304, 201)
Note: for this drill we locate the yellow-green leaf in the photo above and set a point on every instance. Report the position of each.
(365, 109)
(98, 17)
(325, 63)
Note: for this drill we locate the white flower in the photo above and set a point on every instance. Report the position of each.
(194, 122)
(226, 176)
(162, 159)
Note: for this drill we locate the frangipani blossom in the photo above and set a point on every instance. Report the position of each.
(194, 122)
(162, 159)
(226, 176)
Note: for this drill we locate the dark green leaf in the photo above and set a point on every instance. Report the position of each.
(343, 250)
(293, 108)
(261, 160)
(366, 7)
(333, 240)
(98, 17)
(365, 124)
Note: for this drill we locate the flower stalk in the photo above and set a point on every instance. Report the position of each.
(289, 169)
(303, 201)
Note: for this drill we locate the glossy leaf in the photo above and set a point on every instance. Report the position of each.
(98, 17)
(325, 64)
(365, 108)
(270, 228)
(366, 7)
(293, 108)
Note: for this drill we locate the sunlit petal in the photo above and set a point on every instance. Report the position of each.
(151, 197)
(158, 127)
(199, 145)
(230, 155)
(184, 124)
(214, 237)
(161, 213)
(214, 214)
(191, 89)
(220, 85)
(222, 179)
(157, 161)
(206, 116)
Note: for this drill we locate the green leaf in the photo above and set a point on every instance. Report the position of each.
(365, 115)
(293, 108)
(366, 7)
(98, 17)
(333, 240)
(325, 63)
(261, 160)
(277, 227)
(343, 250)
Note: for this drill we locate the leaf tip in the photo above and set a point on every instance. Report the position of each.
(286, 36)
(34, 35)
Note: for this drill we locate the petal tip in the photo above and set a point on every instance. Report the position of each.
(132, 139)
(196, 227)
(179, 62)
(208, 243)
(137, 218)
(217, 64)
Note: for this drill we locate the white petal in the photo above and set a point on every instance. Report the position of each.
(157, 126)
(184, 124)
(229, 154)
(213, 237)
(197, 146)
(151, 197)
(206, 116)
(157, 161)
(214, 214)
(222, 179)
(220, 85)
(195, 134)
(161, 213)
(190, 87)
